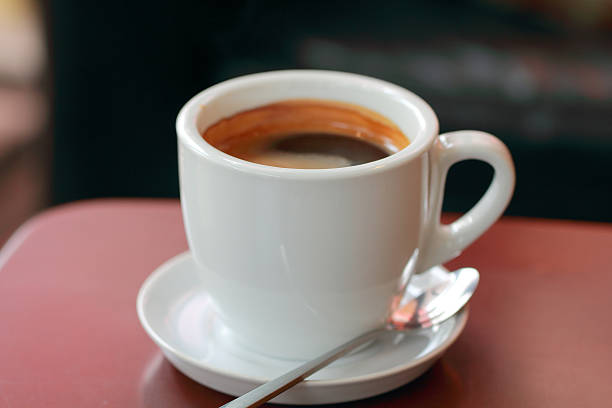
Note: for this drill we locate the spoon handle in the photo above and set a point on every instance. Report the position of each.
(271, 389)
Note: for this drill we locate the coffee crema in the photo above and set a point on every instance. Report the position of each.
(307, 134)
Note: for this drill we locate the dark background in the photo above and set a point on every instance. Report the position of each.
(536, 74)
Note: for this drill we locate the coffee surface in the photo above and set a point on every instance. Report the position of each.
(307, 134)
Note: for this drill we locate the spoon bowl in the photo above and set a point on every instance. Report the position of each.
(435, 303)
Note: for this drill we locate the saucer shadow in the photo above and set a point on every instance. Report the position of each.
(440, 386)
(162, 385)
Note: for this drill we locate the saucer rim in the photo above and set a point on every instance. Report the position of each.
(459, 325)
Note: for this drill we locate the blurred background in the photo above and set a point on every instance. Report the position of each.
(89, 91)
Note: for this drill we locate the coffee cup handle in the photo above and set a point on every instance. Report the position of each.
(444, 242)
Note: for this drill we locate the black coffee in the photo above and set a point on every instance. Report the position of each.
(314, 150)
(307, 134)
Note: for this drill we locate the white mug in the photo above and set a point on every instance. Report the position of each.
(296, 261)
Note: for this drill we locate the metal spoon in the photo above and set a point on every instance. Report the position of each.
(433, 306)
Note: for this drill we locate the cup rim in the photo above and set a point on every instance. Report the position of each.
(190, 137)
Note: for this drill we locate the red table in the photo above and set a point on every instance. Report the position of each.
(539, 333)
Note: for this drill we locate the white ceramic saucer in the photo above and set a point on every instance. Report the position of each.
(174, 309)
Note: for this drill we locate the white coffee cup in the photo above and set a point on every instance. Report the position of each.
(297, 261)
